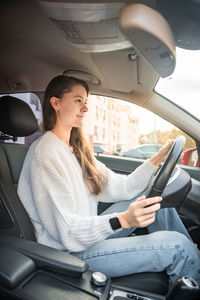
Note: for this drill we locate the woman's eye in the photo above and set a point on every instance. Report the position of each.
(80, 100)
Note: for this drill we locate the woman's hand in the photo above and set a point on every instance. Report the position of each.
(161, 155)
(138, 215)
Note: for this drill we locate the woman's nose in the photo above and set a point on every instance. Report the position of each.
(84, 108)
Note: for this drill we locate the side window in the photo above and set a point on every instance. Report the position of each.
(116, 127)
(34, 102)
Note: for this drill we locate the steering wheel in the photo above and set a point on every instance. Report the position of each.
(161, 177)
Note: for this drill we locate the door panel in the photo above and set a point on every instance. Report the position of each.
(126, 165)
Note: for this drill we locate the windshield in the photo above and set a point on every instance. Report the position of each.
(183, 86)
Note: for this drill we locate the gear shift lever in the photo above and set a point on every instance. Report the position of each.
(184, 288)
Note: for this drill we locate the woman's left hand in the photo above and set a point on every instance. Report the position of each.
(161, 155)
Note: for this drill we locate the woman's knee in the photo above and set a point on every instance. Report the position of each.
(173, 238)
(181, 239)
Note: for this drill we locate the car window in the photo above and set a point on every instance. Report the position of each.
(182, 87)
(34, 102)
(117, 127)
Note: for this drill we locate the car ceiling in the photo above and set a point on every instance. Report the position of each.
(34, 50)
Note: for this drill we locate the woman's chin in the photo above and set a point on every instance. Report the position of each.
(78, 125)
(75, 124)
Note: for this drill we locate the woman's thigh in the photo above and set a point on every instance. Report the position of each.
(154, 252)
(120, 206)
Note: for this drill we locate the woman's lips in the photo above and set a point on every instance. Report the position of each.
(80, 116)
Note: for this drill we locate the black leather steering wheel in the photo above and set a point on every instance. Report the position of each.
(161, 177)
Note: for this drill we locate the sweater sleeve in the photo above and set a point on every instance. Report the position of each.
(125, 187)
(53, 200)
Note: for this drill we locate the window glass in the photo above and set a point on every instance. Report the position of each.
(34, 102)
(127, 130)
(182, 87)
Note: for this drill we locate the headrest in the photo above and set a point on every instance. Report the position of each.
(16, 117)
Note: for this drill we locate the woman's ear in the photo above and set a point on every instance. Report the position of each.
(54, 103)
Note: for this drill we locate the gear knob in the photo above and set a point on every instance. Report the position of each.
(184, 288)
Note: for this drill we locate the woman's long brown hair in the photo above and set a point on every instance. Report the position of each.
(93, 178)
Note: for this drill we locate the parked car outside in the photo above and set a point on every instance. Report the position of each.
(143, 151)
(98, 149)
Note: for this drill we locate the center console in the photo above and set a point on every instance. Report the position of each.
(46, 285)
(29, 270)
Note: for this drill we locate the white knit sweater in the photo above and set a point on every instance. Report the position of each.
(60, 206)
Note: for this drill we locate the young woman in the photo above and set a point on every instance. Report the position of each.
(62, 182)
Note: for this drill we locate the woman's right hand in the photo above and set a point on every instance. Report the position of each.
(138, 215)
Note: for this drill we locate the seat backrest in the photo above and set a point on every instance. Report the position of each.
(11, 161)
(16, 119)
(14, 219)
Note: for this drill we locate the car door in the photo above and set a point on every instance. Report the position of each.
(155, 132)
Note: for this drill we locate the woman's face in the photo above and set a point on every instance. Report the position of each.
(72, 107)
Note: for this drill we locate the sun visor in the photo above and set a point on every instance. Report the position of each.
(151, 36)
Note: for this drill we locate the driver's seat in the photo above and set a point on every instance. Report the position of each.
(17, 119)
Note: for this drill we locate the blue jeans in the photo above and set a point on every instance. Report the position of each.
(168, 247)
